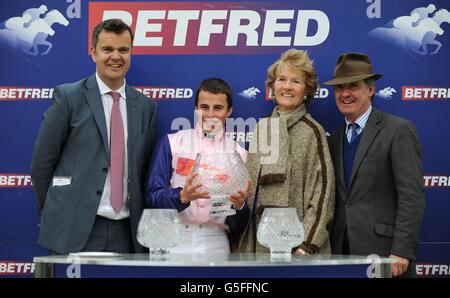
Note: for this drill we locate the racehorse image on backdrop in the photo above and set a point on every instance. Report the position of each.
(28, 33)
(414, 33)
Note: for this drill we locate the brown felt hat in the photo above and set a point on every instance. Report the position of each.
(352, 67)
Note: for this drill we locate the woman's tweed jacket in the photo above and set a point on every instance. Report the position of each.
(302, 177)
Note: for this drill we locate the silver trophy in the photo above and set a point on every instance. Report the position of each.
(280, 230)
(159, 230)
(221, 174)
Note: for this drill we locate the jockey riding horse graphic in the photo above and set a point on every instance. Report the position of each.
(29, 32)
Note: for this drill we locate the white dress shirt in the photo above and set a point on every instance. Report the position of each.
(106, 209)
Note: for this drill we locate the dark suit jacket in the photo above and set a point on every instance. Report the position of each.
(72, 141)
(384, 205)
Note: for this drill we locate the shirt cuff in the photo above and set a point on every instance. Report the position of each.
(180, 205)
(243, 205)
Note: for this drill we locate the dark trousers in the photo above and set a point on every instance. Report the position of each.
(110, 236)
(346, 244)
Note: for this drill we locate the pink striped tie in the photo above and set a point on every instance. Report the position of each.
(117, 154)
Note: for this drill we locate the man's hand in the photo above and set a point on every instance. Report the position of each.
(399, 266)
(238, 199)
(190, 193)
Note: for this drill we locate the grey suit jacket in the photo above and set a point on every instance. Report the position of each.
(383, 206)
(72, 141)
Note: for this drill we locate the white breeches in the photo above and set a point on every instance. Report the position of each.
(202, 239)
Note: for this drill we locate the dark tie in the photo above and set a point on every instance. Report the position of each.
(353, 134)
(117, 154)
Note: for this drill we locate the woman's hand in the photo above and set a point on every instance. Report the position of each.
(299, 252)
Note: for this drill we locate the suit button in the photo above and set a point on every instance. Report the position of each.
(105, 170)
(347, 205)
(99, 193)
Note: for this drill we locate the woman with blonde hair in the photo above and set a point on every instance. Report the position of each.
(302, 175)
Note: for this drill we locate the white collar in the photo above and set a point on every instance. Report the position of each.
(361, 120)
(105, 89)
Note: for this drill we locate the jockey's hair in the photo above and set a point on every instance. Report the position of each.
(215, 86)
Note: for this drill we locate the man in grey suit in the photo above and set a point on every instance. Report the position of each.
(92, 152)
(377, 160)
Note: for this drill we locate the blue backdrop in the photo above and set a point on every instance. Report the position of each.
(409, 48)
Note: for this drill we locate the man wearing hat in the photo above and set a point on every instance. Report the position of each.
(377, 161)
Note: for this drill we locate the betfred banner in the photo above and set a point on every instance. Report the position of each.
(214, 28)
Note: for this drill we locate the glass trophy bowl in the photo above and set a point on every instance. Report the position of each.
(221, 174)
(280, 230)
(159, 230)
